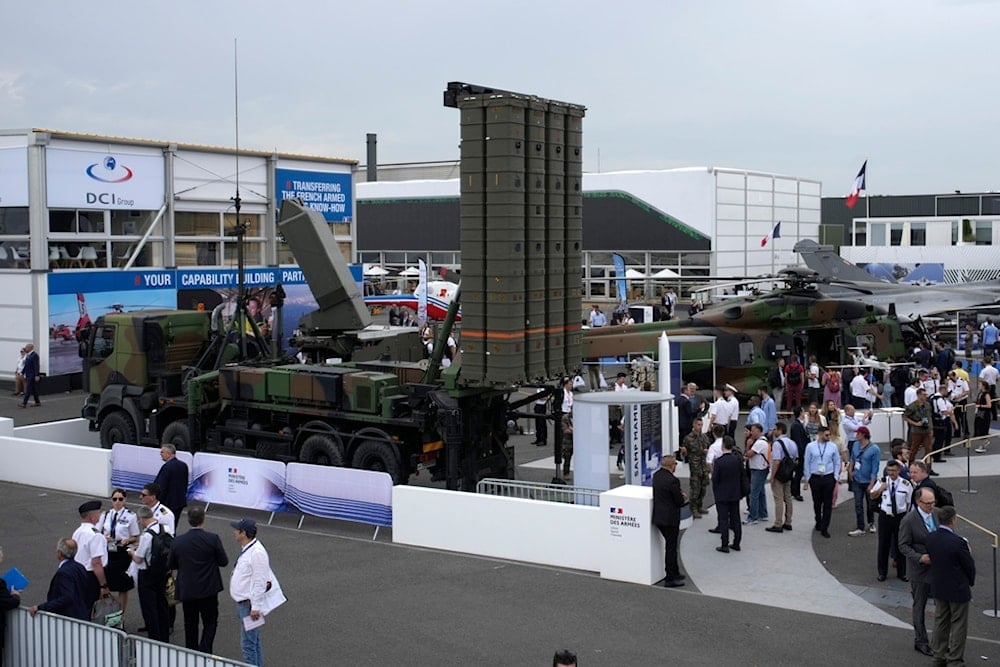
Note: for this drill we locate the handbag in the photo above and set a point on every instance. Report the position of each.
(171, 590)
(107, 611)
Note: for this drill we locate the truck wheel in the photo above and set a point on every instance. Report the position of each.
(177, 435)
(378, 456)
(266, 449)
(322, 450)
(118, 427)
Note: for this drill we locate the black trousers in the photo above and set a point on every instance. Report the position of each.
(207, 610)
(888, 535)
(797, 476)
(541, 423)
(729, 519)
(153, 603)
(821, 488)
(670, 537)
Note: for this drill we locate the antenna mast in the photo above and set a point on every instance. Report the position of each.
(241, 316)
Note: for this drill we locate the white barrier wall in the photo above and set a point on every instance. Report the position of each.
(515, 528)
(68, 431)
(53, 465)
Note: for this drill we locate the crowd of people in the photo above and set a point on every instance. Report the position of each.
(821, 445)
(116, 550)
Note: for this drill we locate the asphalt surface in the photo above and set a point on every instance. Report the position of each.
(354, 600)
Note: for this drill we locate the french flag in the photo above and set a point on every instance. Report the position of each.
(775, 234)
(859, 185)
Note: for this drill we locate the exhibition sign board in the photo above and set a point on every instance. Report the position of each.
(364, 496)
(328, 193)
(104, 180)
(239, 481)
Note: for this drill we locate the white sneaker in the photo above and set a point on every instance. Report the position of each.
(856, 532)
(748, 522)
(871, 528)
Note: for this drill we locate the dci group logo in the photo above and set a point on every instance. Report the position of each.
(109, 170)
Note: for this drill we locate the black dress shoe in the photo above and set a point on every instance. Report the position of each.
(825, 534)
(676, 583)
(773, 529)
(926, 650)
(680, 577)
(799, 498)
(734, 547)
(881, 577)
(724, 550)
(717, 531)
(787, 526)
(932, 473)
(903, 577)
(816, 528)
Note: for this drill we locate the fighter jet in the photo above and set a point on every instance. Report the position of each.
(836, 277)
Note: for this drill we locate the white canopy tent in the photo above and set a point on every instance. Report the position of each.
(665, 273)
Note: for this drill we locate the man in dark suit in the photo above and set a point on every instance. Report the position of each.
(68, 589)
(173, 480)
(913, 531)
(726, 486)
(667, 502)
(953, 574)
(197, 556)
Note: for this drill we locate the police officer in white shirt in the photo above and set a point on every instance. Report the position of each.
(958, 393)
(896, 493)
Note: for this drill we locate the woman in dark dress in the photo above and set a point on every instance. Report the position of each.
(984, 411)
(120, 528)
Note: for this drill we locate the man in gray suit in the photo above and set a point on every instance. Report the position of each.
(913, 532)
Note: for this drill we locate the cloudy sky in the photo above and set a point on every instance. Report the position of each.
(796, 87)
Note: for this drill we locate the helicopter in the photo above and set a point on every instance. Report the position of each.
(752, 332)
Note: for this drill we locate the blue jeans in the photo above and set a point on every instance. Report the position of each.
(758, 499)
(249, 639)
(861, 498)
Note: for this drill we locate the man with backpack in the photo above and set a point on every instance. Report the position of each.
(784, 461)
(151, 558)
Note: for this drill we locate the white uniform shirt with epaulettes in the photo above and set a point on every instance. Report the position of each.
(90, 544)
(903, 490)
(120, 525)
(165, 517)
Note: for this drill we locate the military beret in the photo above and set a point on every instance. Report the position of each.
(90, 506)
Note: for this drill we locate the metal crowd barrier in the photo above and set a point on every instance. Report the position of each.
(995, 611)
(984, 441)
(49, 640)
(555, 493)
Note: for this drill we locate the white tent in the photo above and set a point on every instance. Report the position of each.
(632, 273)
(410, 271)
(375, 270)
(665, 273)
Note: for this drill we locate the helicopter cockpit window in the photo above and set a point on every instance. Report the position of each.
(104, 342)
(866, 341)
(746, 353)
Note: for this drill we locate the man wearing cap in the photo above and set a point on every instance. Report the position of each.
(667, 502)
(861, 473)
(734, 409)
(248, 584)
(92, 551)
(822, 467)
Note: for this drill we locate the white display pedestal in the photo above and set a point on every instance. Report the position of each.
(633, 547)
(887, 424)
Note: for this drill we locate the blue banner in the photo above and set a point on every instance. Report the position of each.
(619, 262)
(325, 192)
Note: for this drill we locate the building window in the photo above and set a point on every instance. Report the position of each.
(896, 233)
(14, 221)
(76, 222)
(860, 233)
(918, 233)
(878, 234)
(956, 230)
(209, 239)
(984, 232)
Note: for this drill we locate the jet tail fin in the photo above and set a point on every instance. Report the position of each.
(829, 265)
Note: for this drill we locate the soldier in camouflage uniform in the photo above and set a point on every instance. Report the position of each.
(567, 441)
(694, 447)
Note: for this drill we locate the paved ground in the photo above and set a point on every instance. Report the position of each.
(357, 601)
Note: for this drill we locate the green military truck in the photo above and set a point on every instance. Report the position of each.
(166, 376)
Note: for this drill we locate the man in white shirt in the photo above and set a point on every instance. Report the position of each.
(251, 580)
(910, 393)
(852, 420)
(150, 497)
(958, 393)
(152, 585)
(92, 551)
(734, 409)
(860, 390)
(990, 375)
(813, 381)
(715, 449)
(718, 411)
(757, 456)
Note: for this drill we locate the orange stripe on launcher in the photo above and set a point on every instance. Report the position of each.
(479, 335)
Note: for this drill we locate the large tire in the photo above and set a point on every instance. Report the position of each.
(178, 435)
(321, 450)
(378, 456)
(118, 427)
